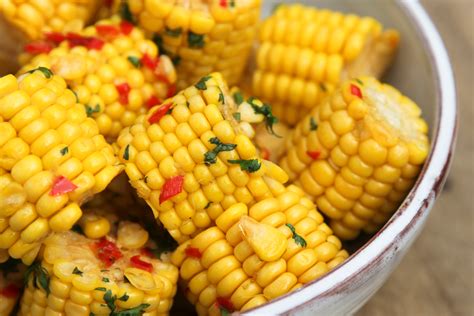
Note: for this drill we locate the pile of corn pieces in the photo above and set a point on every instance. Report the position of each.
(155, 146)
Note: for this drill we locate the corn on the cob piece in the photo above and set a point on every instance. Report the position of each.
(114, 275)
(256, 254)
(11, 282)
(113, 70)
(202, 36)
(191, 158)
(358, 154)
(305, 52)
(52, 158)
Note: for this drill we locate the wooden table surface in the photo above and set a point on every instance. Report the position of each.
(436, 276)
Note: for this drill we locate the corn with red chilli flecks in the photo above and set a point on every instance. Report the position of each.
(115, 275)
(257, 254)
(52, 158)
(201, 36)
(11, 282)
(113, 70)
(306, 52)
(358, 154)
(192, 157)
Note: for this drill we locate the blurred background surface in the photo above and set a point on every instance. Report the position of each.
(437, 275)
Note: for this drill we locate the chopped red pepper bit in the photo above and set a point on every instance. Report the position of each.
(171, 91)
(265, 153)
(150, 62)
(11, 291)
(223, 3)
(193, 252)
(172, 187)
(140, 264)
(225, 303)
(95, 43)
(123, 90)
(55, 37)
(159, 113)
(126, 27)
(355, 90)
(37, 48)
(107, 30)
(152, 101)
(313, 154)
(62, 185)
(75, 39)
(107, 251)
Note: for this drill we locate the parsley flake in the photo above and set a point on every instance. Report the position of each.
(124, 297)
(77, 271)
(250, 165)
(126, 152)
(312, 124)
(109, 299)
(90, 110)
(173, 32)
(125, 13)
(135, 61)
(265, 110)
(221, 98)
(210, 157)
(106, 280)
(102, 289)
(236, 115)
(64, 151)
(297, 238)
(195, 40)
(136, 311)
(201, 85)
(238, 97)
(359, 81)
(46, 72)
(41, 276)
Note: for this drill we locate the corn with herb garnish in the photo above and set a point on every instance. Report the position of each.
(358, 154)
(52, 159)
(257, 254)
(305, 53)
(11, 282)
(192, 157)
(200, 36)
(116, 274)
(113, 69)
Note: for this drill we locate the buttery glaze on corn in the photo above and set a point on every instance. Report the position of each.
(45, 135)
(305, 53)
(362, 157)
(251, 256)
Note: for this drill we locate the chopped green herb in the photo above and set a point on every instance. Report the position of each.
(135, 61)
(236, 115)
(126, 152)
(359, 81)
(238, 97)
(64, 151)
(297, 238)
(224, 311)
(109, 299)
(125, 13)
(136, 311)
(77, 271)
(312, 124)
(201, 85)
(173, 32)
(46, 72)
(90, 110)
(106, 280)
(250, 165)
(104, 270)
(102, 289)
(265, 110)
(323, 87)
(124, 297)
(195, 40)
(78, 229)
(221, 98)
(210, 157)
(41, 276)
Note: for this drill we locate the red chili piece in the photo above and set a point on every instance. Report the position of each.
(223, 3)
(171, 91)
(11, 291)
(37, 48)
(162, 110)
(126, 27)
(62, 185)
(107, 30)
(55, 37)
(172, 187)
(123, 90)
(225, 303)
(95, 44)
(149, 62)
(89, 42)
(355, 90)
(140, 264)
(107, 251)
(152, 101)
(265, 153)
(313, 154)
(193, 252)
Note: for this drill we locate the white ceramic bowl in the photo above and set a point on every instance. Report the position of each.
(423, 72)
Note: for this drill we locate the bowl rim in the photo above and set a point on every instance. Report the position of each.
(415, 208)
